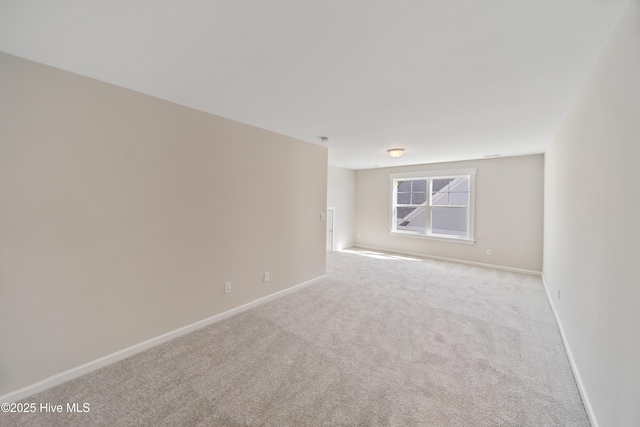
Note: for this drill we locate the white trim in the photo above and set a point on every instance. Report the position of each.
(454, 260)
(333, 224)
(572, 362)
(137, 348)
(435, 174)
(428, 205)
(450, 239)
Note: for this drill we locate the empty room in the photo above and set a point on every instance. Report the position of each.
(295, 213)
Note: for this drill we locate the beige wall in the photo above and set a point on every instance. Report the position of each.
(341, 195)
(121, 215)
(508, 213)
(592, 228)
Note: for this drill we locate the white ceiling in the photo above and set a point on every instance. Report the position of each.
(445, 79)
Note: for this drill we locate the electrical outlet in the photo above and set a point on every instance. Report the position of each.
(227, 287)
(266, 277)
(489, 252)
(323, 216)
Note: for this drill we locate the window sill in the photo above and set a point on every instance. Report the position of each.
(438, 237)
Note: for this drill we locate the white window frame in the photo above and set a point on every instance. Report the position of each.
(429, 176)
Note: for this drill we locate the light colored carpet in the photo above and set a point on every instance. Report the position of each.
(384, 340)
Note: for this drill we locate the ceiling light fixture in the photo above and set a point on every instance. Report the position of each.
(395, 152)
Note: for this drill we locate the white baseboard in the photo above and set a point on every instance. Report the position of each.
(454, 260)
(574, 367)
(137, 348)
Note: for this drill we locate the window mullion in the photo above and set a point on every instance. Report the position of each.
(427, 226)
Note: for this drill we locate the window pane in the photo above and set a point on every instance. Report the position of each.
(459, 199)
(440, 199)
(450, 192)
(439, 184)
(411, 192)
(411, 219)
(460, 185)
(418, 198)
(404, 186)
(449, 221)
(440, 192)
(404, 198)
(402, 212)
(419, 186)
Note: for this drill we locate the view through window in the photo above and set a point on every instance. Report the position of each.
(433, 205)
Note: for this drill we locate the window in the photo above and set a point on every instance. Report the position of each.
(435, 205)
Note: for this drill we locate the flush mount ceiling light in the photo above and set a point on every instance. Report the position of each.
(395, 152)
